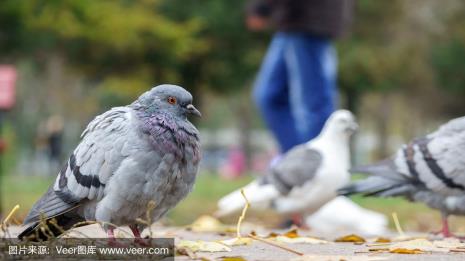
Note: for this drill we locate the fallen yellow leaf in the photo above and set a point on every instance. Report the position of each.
(237, 241)
(406, 251)
(269, 242)
(449, 243)
(351, 238)
(420, 245)
(299, 240)
(291, 233)
(417, 244)
(203, 246)
(382, 240)
(272, 235)
(207, 223)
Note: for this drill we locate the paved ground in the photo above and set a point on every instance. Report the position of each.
(261, 251)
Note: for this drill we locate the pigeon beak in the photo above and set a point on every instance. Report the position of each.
(353, 127)
(192, 110)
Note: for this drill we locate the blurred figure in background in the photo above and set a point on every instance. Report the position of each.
(296, 86)
(54, 140)
(49, 144)
(235, 165)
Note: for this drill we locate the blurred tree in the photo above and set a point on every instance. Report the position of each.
(105, 53)
(372, 60)
(233, 52)
(448, 52)
(124, 46)
(231, 60)
(120, 47)
(388, 52)
(449, 62)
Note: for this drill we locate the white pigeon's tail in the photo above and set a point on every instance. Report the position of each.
(258, 195)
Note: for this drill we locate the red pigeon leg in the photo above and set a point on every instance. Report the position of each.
(137, 238)
(299, 220)
(445, 227)
(111, 238)
(445, 231)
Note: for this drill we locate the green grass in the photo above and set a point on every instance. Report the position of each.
(209, 188)
(25, 190)
(22, 190)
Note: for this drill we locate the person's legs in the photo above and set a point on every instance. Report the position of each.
(311, 66)
(272, 95)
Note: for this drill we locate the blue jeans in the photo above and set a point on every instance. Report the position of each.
(296, 87)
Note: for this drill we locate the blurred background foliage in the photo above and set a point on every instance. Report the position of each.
(401, 69)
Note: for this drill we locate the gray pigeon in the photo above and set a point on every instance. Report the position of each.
(128, 156)
(307, 176)
(430, 169)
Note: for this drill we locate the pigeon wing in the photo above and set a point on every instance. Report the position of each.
(103, 146)
(441, 162)
(296, 168)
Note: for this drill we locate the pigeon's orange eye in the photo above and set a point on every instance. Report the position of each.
(171, 100)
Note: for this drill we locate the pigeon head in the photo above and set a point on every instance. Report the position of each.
(167, 98)
(341, 123)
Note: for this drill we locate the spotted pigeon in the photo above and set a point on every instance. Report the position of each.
(128, 156)
(429, 169)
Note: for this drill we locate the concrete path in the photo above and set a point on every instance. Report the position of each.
(262, 251)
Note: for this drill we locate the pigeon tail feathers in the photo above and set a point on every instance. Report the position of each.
(384, 168)
(54, 227)
(378, 186)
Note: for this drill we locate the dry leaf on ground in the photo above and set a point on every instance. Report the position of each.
(406, 251)
(207, 223)
(203, 246)
(421, 245)
(449, 243)
(293, 237)
(382, 240)
(351, 238)
(270, 235)
(417, 244)
(300, 240)
(291, 233)
(237, 241)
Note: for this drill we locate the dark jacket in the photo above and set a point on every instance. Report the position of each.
(327, 18)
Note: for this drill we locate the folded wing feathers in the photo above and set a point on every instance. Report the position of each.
(297, 167)
(89, 168)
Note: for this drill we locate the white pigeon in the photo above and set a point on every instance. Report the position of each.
(430, 169)
(306, 177)
(327, 220)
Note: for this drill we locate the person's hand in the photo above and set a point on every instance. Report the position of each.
(256, 23)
